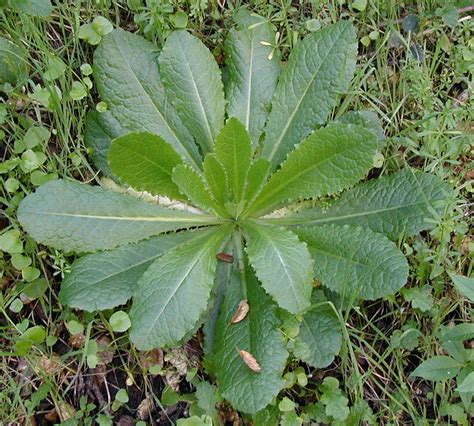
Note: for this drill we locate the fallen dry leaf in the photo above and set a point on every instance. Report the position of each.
(224, 257)
(250, 360)
(241, 312)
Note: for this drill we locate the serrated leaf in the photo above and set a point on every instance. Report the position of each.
(320, 337)
(437, 368)
(355, 262)
(282, 264)
(145, 162)
(191, 184)
(74, 217)
(234, 150)
(258, 334)
(128, 80)
(319, 69)
(104, 280)
(100, 130)
(367, 119)
(216, 178)
(330, 160)
(403, 203)
(465, 285)
(173, 293)
(252, 74)
(256, 179)
(193, 81)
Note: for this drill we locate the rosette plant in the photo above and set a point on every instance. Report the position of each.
(236, 153)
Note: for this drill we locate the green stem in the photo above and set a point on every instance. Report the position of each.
(239, 257)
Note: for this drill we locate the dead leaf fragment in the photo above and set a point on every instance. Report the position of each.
(241, 312)
(249, 359)
(65, 411)
(225, 257)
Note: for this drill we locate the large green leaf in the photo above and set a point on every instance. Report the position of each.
(100, 130)
(107, 279)
(256, 179)
(234, 150)
(33, 7)
(318, 70)
(13, 65)
(252, 73)
(403, 203)
(173, 293)
(192, 185)
(355, 262)
(319, 339)
(74, 217)
(465, 285)
(216, 178)
(330, 160)
(193, 82)
(145, 162)
(367, 119)
(128, 79)
(282, 264)
(437, 368)
(258, 334)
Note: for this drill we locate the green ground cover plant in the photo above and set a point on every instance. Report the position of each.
(196, 156)
(280, 233)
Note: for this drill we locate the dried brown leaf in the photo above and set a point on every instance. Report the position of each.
(225, 257)
(249, 359)
(241, 312)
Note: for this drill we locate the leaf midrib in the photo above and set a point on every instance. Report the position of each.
(296, 109)
(146, 159)
(131, 218)
(178, 286)
(264, 195)
(295, 221)
(210, 137)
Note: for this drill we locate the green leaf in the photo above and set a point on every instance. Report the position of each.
(10, 242)
(258, 334)
(355, 262)
(74, 217)
(173, 293)
(320, 337)
(252, 75)
(282, 264)
(193, 81)
(256, 179)
(437, 368)
(330, 160)
(467, 384)
(420, 297)
(464, 285)
(33, 7)
(367, 119)
(100, 130)
(13, 65)
(216, 178)
(318, 70)
(145, 162)
(104, 280)
(192, 185)
(403, 203)
(120, 321)
(234, 150)
(128, 79)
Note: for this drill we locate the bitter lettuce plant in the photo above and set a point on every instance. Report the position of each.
(235, 262)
